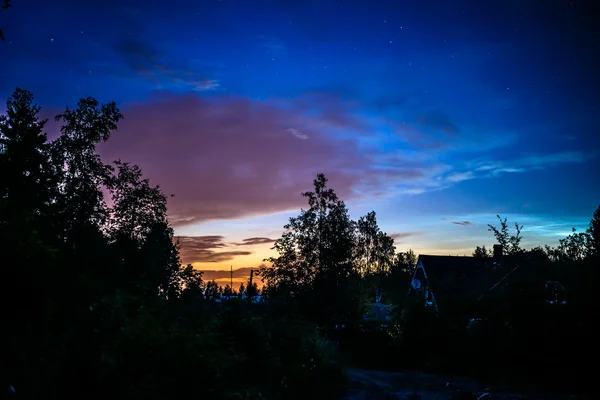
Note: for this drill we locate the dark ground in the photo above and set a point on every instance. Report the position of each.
(410, 385)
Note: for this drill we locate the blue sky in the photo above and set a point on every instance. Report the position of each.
(428, 112)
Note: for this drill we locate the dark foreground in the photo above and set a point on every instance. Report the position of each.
(373, 385)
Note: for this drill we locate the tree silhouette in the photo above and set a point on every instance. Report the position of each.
(80, 171)
(511, 244)
(26, 234)
(481, 252)
(315, 265)
(594, 232)
(26, 181)
(99, 292)
(212, 290)
(374, 248)
(252, 290)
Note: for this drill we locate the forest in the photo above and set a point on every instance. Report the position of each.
(97, 304)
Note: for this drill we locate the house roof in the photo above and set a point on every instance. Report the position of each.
(457, 282)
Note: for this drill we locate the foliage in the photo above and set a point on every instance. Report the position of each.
(535, 321)
(573, 248)
(482, 252)
(374, 248)
(594, 233)
(511, 244)
(99, 301)
(329, 266)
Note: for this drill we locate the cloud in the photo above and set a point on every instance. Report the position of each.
(551, 159)
(196, 249)
(463, 223)
(255, 240)
(531, 162)
(297, 133)
(183, 142)
(240, 275)
(272, 44)
(149, 62)
(229, 157)
(403, 235)
(460, 176)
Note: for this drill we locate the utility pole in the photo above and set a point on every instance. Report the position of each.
(231, 277)
(249, 289)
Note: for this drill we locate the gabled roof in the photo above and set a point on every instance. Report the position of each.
(457, 282)
(464, 286)
(444, 263)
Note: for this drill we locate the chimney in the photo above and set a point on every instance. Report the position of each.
(497, 251)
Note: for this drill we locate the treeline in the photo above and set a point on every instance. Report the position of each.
(214, 291)
(96, 302)
(329, 268)
(534, 326)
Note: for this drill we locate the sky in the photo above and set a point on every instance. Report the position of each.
(438, 115)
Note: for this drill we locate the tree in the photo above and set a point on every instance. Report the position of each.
(315, 261)
(159, 266)
(80, 171)
(212, 290)
(137, 205)
(374, 253)
(511, 244)
(481, 252)
(374, 248)
(242, 290)
(191, 278)
(572, 248)
(29, 253)
(578, 246)
(98, 292)
(405, 261)
(26, 186)
(397, 284)
(594, 232)
(252, 290)
(139, 230)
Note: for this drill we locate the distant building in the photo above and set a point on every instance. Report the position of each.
(449, 284)
(460, 289)
(255, 299)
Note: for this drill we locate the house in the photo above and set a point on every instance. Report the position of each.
(453, 286)
(450, 285)
(459, 288)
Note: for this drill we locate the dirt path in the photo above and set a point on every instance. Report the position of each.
(411, 385)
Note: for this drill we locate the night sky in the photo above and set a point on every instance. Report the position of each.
(438, 115)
